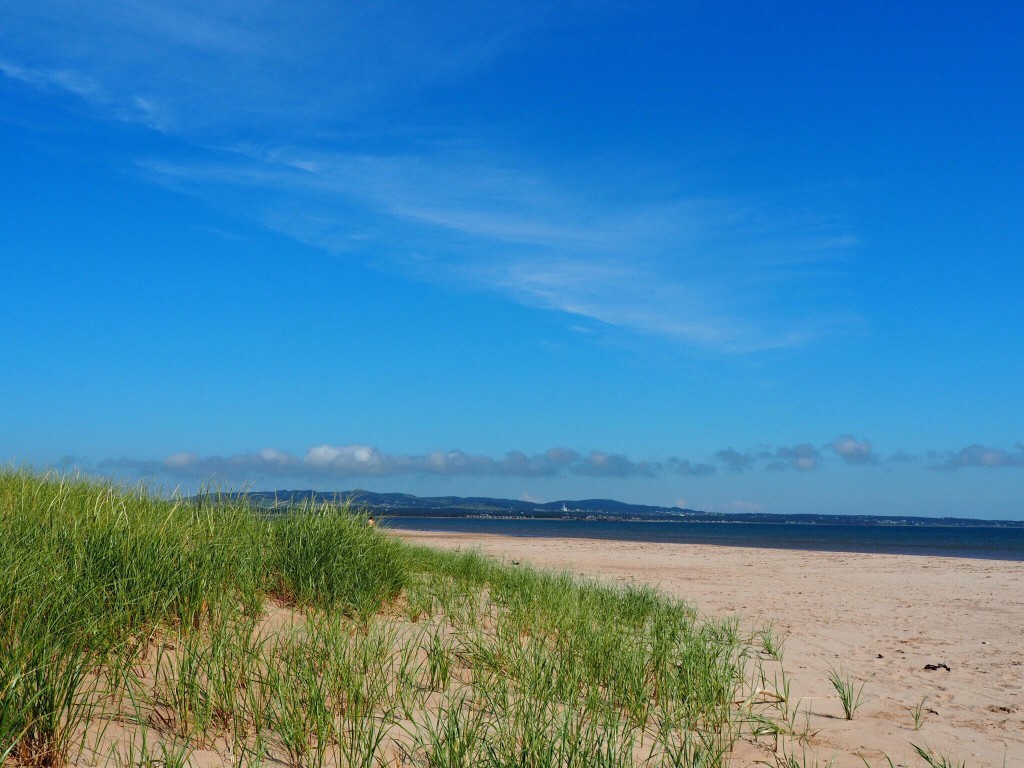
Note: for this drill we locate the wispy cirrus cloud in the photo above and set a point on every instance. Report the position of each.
(91, 92)
(270, 66)
(681, 269)
(296, 118)
(75, 83)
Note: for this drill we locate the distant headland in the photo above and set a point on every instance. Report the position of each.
(408, 505)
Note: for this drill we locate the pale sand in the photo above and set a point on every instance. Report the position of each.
(882, 618)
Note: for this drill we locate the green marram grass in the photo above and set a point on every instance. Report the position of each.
(850, 696)
(138, 630)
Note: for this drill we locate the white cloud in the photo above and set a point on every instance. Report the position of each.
(692, 469)
(339, 461)
(735, 460)
(181, 461)
(981, 456)
(601, 464)
(357, 460)
(803, 458)
(361, 459)
(854, 451)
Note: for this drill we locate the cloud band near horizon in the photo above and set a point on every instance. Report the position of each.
(354, 460)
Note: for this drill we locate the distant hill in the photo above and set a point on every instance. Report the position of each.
(404, 504)
(407, 505)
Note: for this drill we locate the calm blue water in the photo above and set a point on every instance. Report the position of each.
(993, 543)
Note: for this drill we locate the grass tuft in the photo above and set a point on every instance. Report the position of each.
(850, 695)
(936, 759)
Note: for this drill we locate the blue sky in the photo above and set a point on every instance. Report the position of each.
(729, 256)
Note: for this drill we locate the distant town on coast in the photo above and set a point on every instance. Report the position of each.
(407, 505)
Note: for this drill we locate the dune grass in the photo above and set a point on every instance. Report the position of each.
(850, 696)
(136, 630)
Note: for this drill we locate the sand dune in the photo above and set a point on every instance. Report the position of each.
(881, 618)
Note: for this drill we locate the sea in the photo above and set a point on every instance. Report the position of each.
(977, 541)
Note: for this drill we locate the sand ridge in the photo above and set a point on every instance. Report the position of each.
(880, 618)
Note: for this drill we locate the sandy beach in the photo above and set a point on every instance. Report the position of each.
(880, 618)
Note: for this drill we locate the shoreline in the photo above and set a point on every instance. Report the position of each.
(879, 617)
(977, 542)
(966, 524)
